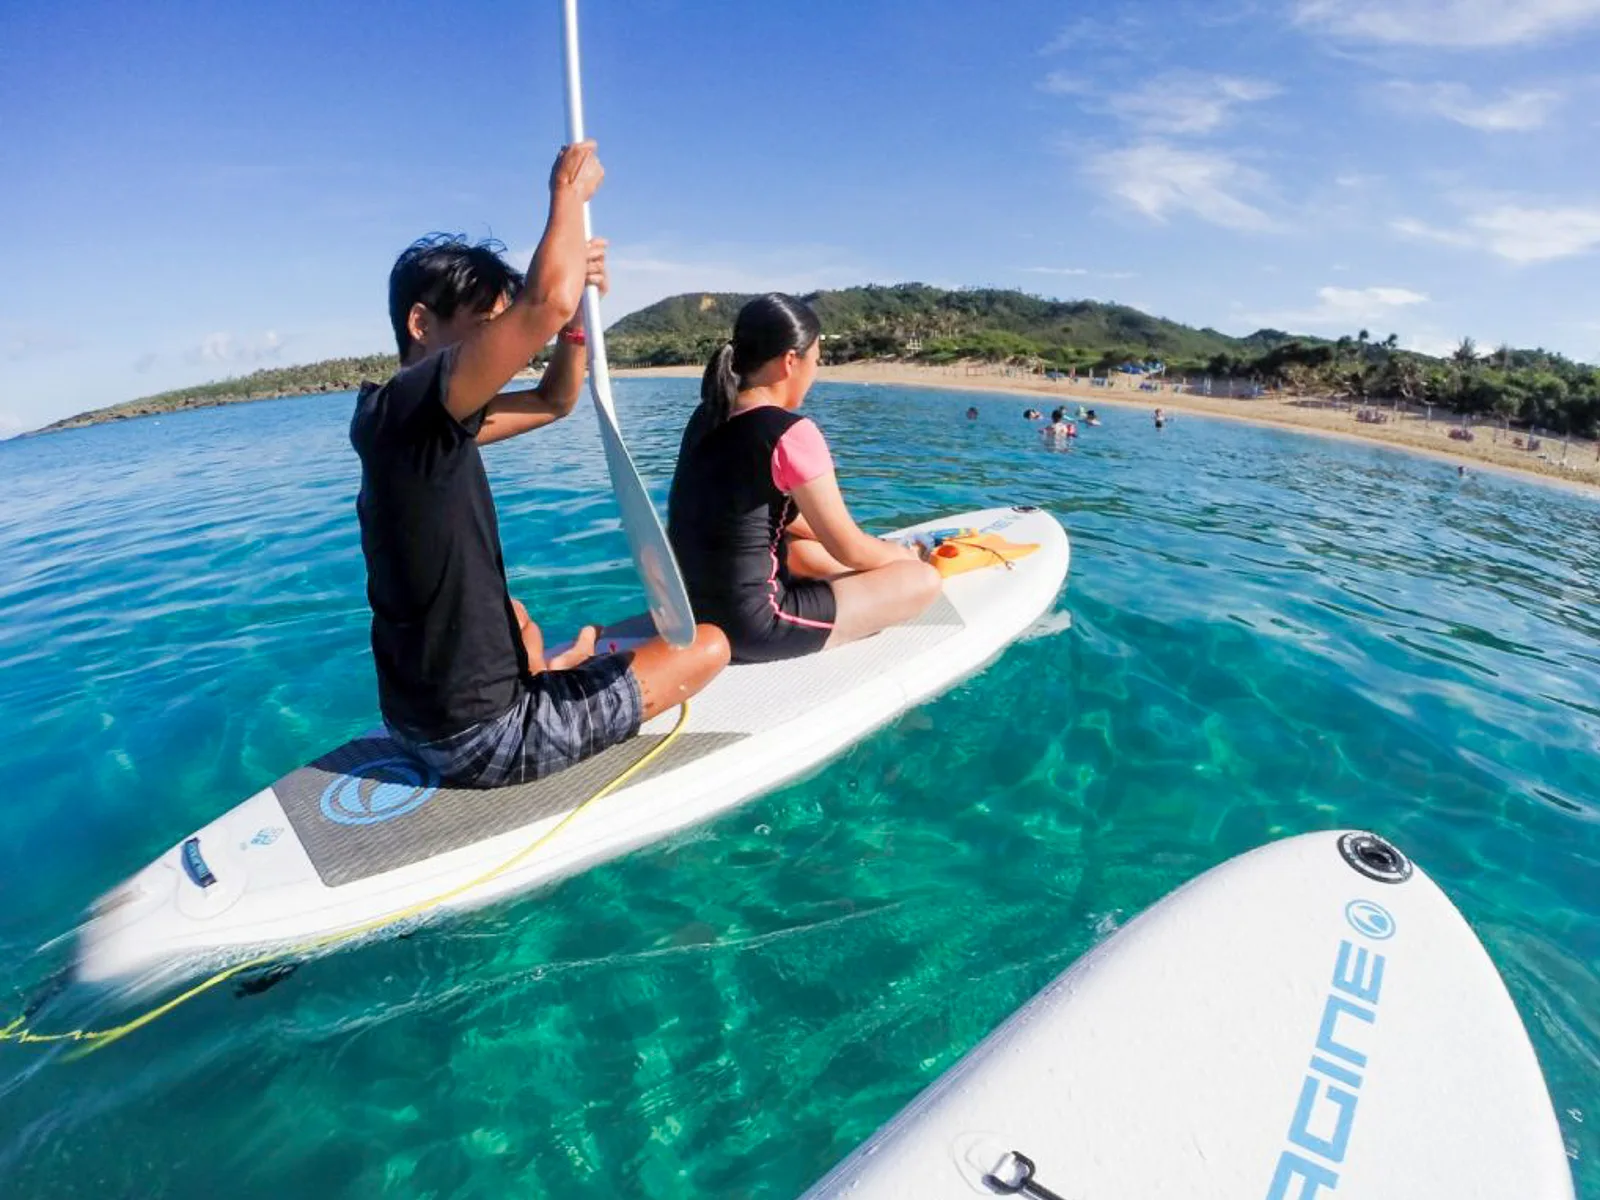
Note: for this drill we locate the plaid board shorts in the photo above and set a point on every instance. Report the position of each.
(562, 718)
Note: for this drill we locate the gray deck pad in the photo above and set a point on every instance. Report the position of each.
(368, 807)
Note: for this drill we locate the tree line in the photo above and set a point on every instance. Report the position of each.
(1536, 388)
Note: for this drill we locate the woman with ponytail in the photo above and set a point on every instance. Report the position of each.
(767, 546)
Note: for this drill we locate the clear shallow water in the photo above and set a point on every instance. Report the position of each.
(1263, 634)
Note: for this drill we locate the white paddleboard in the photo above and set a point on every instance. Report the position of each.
(361, 833)
(1313, 1020)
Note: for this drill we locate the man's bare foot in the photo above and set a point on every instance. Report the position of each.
(581, 650)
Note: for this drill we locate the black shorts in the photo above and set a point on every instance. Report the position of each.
(787, 621)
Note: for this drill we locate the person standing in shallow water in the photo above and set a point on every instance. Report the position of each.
(768, 549)
(463, 681)
(1060, 431)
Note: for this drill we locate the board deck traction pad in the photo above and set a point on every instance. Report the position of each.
(362, 809)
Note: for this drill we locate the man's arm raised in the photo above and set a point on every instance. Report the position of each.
(512, 413)
(492, 354)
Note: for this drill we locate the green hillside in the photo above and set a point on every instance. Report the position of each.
(918, 323)
(929, 324)
(329, 375)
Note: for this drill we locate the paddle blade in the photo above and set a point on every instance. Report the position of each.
(647, 541)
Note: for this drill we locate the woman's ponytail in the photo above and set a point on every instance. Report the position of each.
(719, 386)
(719, 390)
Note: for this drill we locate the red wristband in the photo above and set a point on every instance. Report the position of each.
(574, 337)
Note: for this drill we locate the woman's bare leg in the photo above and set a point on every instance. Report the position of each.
(869, 601)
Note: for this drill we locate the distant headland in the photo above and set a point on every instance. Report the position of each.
(917, 324)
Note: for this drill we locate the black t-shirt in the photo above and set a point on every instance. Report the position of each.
(444, 637)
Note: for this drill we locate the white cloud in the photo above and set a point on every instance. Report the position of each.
(1525, 235)
(1423, 232)
(1516, 233)
(1064, 83)
(1186, 102)
(1460, 24)
(1517, 110)
(1122, 33)
(1432, 343)
(227, 348)
(1160, 180)
(1344, 308)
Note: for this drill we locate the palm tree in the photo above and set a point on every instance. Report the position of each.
(1406, 380)
(1466, 353)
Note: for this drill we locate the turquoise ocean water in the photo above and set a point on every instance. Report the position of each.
(1263, 634)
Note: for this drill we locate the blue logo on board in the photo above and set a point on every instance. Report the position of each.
(1330, 1092)
(378, 791)
(1369, 919)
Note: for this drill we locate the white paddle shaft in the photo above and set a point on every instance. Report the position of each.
(599, 371)
(647, 540)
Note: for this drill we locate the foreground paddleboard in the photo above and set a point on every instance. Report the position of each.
(361, 833)
(1310, 1021)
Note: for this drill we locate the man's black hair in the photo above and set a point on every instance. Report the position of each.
(445, 272)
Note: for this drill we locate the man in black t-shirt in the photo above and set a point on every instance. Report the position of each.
(463, 681)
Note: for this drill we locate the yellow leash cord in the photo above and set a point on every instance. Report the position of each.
(95, 1039)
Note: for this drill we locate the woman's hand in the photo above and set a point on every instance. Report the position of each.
(914, 550)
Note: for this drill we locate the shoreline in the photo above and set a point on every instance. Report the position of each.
(1297, 414)
(1492, 448)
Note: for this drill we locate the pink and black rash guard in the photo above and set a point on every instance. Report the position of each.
(729, 508)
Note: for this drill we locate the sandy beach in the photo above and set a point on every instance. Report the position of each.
(1576, 464)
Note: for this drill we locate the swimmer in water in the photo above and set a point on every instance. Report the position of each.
(972, 414)
(1060, 431)
(1161, 419)
(1091, 419)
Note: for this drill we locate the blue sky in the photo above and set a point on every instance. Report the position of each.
(195, 190)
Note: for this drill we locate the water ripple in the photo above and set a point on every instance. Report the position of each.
(1264, 634)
